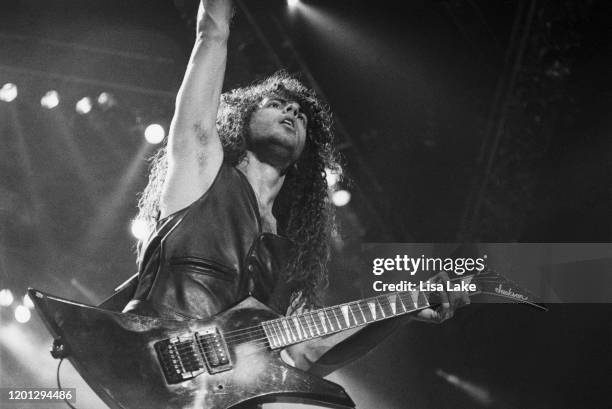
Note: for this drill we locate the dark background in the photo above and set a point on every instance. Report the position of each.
(458, 120)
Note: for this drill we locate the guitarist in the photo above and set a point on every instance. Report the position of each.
(237, 201)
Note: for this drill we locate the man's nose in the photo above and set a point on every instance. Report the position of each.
(292, 107)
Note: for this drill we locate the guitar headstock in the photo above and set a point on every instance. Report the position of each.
(491, 283)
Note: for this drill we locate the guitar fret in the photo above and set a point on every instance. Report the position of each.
(270, 333)
(314, 323)
(365, 320)
(321, 317)
(336, 317)
(279, 341)
(331, 326)
(293, 329)
(345, 314)
(296, 324)
(279, 327)
(278, 333)
(382, 306)
(287, 330)
(377, 304)
(415, 298)
(401, 302)
(425, 301)
(372, 308)
(405, 302)
(301, 324)
(321, 322)
(305, 326)
(353, 313)
(391, 298)
(268, 329)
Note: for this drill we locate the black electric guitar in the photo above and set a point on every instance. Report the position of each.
(233, 359)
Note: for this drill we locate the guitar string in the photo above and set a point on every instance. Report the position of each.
(243, 335)
(363, 305)
(264, 342)
(359, 303)
(293, 338)
(292, 335)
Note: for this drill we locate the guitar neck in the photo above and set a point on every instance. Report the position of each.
(286, 331)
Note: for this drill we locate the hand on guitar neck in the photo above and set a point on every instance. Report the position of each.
(450, 301)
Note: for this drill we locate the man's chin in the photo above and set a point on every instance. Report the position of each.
(279, 155)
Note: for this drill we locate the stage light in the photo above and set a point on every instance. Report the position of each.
(154, 134)
(83, 106)
(27, 301)
(106, 100)
(293, 3)
(331, 176)
(476, 392)
(6, 297)
(140, 229)
(50, 100)
(22, 314)
(8, 92)
(341, 198)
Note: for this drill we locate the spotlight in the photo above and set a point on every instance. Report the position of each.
(341, 198)
(106, 100)
(293, 3)
(22, 314)
(154, 134)
(6, 297)
(83, 106)
(27, 301)
(8, 92)
(140, 229)
(50, 100)
(477, 392)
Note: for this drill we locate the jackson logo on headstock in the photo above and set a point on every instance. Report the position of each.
(509, 293)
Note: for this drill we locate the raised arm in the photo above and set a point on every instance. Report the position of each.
(194, 149)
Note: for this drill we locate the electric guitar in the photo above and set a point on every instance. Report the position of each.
(229, 361)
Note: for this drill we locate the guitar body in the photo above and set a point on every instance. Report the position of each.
(127, 359)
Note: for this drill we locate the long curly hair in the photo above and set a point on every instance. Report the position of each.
(302, 208)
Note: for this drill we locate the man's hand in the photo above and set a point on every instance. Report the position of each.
(451, 300)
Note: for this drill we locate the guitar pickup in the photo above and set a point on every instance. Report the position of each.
(214, 350)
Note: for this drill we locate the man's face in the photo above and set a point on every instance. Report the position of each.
(277, 131)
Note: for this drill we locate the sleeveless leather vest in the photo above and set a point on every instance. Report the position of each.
(212, 254)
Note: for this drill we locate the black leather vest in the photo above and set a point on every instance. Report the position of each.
(212, 254)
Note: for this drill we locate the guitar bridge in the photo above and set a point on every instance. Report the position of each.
(214, 350)
(180, 359)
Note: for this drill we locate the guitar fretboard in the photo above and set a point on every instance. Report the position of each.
(290, 330)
